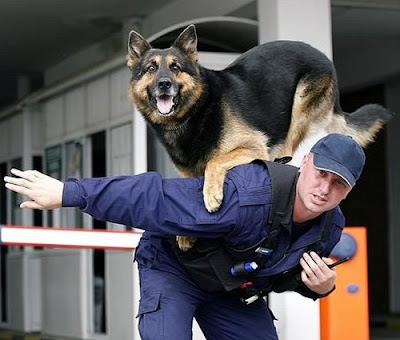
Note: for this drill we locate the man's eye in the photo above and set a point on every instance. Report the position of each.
(341, 183)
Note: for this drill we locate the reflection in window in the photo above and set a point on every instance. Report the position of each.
(3, 249)
(73, 164)
(98, 142)
(53, 169)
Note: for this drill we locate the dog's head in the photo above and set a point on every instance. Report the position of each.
(165, 83)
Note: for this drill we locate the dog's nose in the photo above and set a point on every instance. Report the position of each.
(164, 83)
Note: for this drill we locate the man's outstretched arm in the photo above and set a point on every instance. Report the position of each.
(146, 201)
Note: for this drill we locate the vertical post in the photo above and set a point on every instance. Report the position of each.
(344, 313)
(139, 166)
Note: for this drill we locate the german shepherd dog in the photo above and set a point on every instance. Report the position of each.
(262, 106)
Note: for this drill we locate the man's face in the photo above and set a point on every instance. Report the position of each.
(319, 190)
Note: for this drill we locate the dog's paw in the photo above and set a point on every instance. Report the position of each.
(185, 242)
(212, 198)
(213, 190)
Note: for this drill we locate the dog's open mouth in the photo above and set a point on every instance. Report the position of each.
(165, 104)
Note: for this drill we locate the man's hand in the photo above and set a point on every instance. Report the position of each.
(44, 191)
(316, 274)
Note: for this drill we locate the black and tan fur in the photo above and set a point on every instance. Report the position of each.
(262, 106)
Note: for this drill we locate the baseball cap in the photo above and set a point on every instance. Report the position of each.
(341, 155)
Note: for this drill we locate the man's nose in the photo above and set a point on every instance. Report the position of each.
(325, 186)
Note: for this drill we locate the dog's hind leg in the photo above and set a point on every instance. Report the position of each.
(312, 110)
(316, 112)
(185, 242)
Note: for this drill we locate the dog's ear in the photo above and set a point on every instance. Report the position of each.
(187, 42)
(137, 46)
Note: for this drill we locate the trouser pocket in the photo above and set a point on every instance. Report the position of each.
(150, 317)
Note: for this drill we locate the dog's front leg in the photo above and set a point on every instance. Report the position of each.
(216, 169)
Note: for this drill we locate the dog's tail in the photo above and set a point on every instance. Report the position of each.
(364, 123)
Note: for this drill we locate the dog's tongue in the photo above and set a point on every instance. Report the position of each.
(164, 104)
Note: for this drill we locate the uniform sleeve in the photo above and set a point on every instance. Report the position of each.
(307, 292)
(146, 201)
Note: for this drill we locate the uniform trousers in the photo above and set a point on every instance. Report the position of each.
(169, 302)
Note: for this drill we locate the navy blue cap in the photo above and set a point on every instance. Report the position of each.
(340, 155)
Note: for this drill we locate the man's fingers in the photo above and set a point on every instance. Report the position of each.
(17, 188)
(316, 274)
(30, 175)
(31, 205)
(327, 260)
(307, 269)
(305, 278)
(320, 263)
(38, 174)
(18, 181)
(314, 262)
(17, 172)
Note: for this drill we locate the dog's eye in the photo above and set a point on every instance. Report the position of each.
(152, 68)
(175, 68)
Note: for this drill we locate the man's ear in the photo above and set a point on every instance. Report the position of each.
(348, 192)
(304, 161)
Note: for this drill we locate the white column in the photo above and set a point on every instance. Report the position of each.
(139, 143)
(308, 21)
(139, 166)
(393, 168)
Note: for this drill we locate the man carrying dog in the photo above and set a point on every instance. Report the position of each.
(263, 246)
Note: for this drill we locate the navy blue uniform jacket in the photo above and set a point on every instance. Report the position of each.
(167, 207)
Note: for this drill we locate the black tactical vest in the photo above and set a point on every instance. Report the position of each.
(209, 261)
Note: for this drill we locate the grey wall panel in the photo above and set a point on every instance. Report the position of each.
(54, 120)
(120, 104)
(75, 109)
(4, 140)
(38, 130)
(24, 292)
(98, 101)
(16, 137)
(64, 303)
(121, 150)
(120, 294)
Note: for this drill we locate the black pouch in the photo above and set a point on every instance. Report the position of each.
(289, 280)
(208, 264)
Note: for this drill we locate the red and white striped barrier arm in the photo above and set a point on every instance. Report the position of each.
(47, 237)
